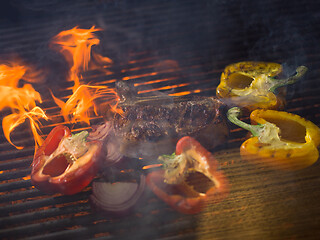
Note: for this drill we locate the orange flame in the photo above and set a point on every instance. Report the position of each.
(10, 122)
(21, 101)
(81, 101)
(76, 45)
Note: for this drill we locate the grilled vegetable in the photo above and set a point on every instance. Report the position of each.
(110, 149)
(253, 84)
(281, 140)
(65, 163)
(171, 184)
(118, 198)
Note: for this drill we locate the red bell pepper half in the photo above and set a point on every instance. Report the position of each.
(65, 163)
(171, 186)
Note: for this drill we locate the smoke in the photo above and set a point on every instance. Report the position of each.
(277, 32)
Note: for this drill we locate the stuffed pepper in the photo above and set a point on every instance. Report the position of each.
(65, 163)
(253, 85)
(281, 140)
(171, 185)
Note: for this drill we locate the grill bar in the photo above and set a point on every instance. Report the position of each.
(77, 221)
(41, 203)
(202, 38)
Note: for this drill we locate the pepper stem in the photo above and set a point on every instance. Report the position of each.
(76, 144)
(300, 71)
(175, 166)
(80, 136)
(234, 113)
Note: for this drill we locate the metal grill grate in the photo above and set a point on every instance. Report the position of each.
(167, 47)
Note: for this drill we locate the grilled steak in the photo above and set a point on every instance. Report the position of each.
(147, 130)
(150, 127)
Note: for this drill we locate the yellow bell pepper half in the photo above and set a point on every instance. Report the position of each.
(253, 84)
(281, 140)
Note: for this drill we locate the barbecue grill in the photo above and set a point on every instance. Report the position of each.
(166, 48)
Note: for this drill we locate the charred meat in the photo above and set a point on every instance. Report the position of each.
(151, 126)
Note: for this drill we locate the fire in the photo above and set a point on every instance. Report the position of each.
(78, 106)
(76, 46)
(10, 122)
(21, 100)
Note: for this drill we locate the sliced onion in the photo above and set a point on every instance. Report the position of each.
(111, 148)
(104, 133)
(117, 198)
(100, 132)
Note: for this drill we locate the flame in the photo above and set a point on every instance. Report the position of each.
(21, 100)
(78, 106)
(76, 46)
(185, 93)
(10, 122)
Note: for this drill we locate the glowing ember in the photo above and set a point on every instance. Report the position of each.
(152, 166)
(21, 100)
(76, 45)
(164, 88)
(28, 177)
